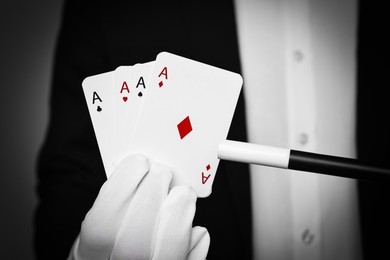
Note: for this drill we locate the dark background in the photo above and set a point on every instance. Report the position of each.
(27, 36)
(28, 32)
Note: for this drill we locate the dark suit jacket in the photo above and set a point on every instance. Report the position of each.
(98, 36)
(373, 129)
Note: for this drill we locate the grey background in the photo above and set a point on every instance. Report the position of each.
(28, 33)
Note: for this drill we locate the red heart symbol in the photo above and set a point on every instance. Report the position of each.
(125, 99)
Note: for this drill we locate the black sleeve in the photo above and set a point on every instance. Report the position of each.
(70, 170)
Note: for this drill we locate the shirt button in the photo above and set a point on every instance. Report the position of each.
(303, 138)
(307, 237)
(298, 56)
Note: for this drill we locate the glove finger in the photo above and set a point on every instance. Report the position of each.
(74, 251)
(102, 222)
(135, 238)
(200, 242)
(175, 224)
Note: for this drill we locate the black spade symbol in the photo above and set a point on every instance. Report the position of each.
(99, 109)
(140, 94)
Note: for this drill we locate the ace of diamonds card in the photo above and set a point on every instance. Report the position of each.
(187, 113)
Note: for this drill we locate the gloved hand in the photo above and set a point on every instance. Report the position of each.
(135, 216)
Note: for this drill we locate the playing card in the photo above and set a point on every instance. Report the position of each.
(187, 112)
(99, 97)
(124, 100)
(139, 85)
(130, 86)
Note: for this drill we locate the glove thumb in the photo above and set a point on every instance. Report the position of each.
(200, 242)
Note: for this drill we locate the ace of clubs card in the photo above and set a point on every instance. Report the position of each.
(99, 97)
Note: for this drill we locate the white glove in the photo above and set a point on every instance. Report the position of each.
(135, 216)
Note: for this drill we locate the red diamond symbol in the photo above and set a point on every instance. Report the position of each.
(184, 127)
(208, 167)
(160, 84)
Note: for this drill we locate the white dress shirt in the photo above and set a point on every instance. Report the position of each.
(298, 59)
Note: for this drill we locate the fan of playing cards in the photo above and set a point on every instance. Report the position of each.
(173, 110)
